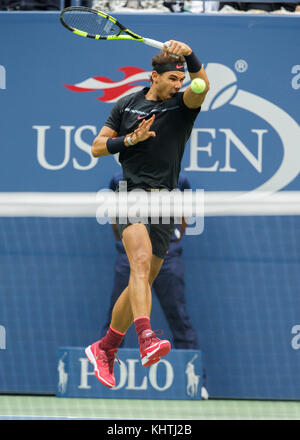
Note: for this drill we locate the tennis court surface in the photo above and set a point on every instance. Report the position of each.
(17, 407)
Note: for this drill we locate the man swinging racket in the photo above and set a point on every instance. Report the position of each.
(149, 129)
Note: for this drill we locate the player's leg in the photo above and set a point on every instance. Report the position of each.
(146, 247)
(138, 248)
(122, 321)
(134, 301)
(151, 347)
(134, 304)
(121, 278)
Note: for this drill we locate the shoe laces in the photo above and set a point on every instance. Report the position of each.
(148, 340)
(108, 358)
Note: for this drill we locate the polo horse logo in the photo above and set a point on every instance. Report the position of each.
(192, 378)
(62, 375)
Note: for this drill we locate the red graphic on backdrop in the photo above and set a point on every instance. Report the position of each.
(113, 90)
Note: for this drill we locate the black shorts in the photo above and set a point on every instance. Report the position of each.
(160, 235)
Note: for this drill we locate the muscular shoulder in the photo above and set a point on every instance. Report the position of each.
(115, 118)
(124, 101)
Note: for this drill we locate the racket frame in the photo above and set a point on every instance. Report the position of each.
(130, 35)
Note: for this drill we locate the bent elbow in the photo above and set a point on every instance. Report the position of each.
(96, 149)
(99, 147)
(93, 151)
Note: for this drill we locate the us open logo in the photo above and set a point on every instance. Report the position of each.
(224, 91)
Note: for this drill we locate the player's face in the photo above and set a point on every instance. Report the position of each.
(168, 83)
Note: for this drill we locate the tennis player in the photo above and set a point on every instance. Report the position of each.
(149, 129)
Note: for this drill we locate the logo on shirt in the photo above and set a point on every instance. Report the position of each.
(141, 115)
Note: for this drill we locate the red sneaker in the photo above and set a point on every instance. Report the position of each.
(103, 362)
(152, 348)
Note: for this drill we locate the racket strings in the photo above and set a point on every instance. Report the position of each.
(91, 23)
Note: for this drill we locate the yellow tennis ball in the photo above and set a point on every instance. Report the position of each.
(198, 85)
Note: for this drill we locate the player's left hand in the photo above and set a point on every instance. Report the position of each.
(177, 48)
(143, 132)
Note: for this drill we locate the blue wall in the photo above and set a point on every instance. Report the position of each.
(242, 273)
(242, 292)
(251, 90)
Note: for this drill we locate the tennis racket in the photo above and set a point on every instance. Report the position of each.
(92, 23)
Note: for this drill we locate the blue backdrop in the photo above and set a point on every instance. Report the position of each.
(253, 106)
(242, 273)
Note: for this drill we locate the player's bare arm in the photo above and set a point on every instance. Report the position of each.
(141, 133)
(99, 148)
(190, 98)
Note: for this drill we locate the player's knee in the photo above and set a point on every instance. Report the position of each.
(141, 263)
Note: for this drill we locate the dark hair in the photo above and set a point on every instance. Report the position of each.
(163, 58)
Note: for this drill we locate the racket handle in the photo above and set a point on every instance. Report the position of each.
(154, 43)
(158, 45)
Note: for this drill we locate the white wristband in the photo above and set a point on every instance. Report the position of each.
(128, 138)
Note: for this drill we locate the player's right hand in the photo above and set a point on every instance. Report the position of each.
(177, 48)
